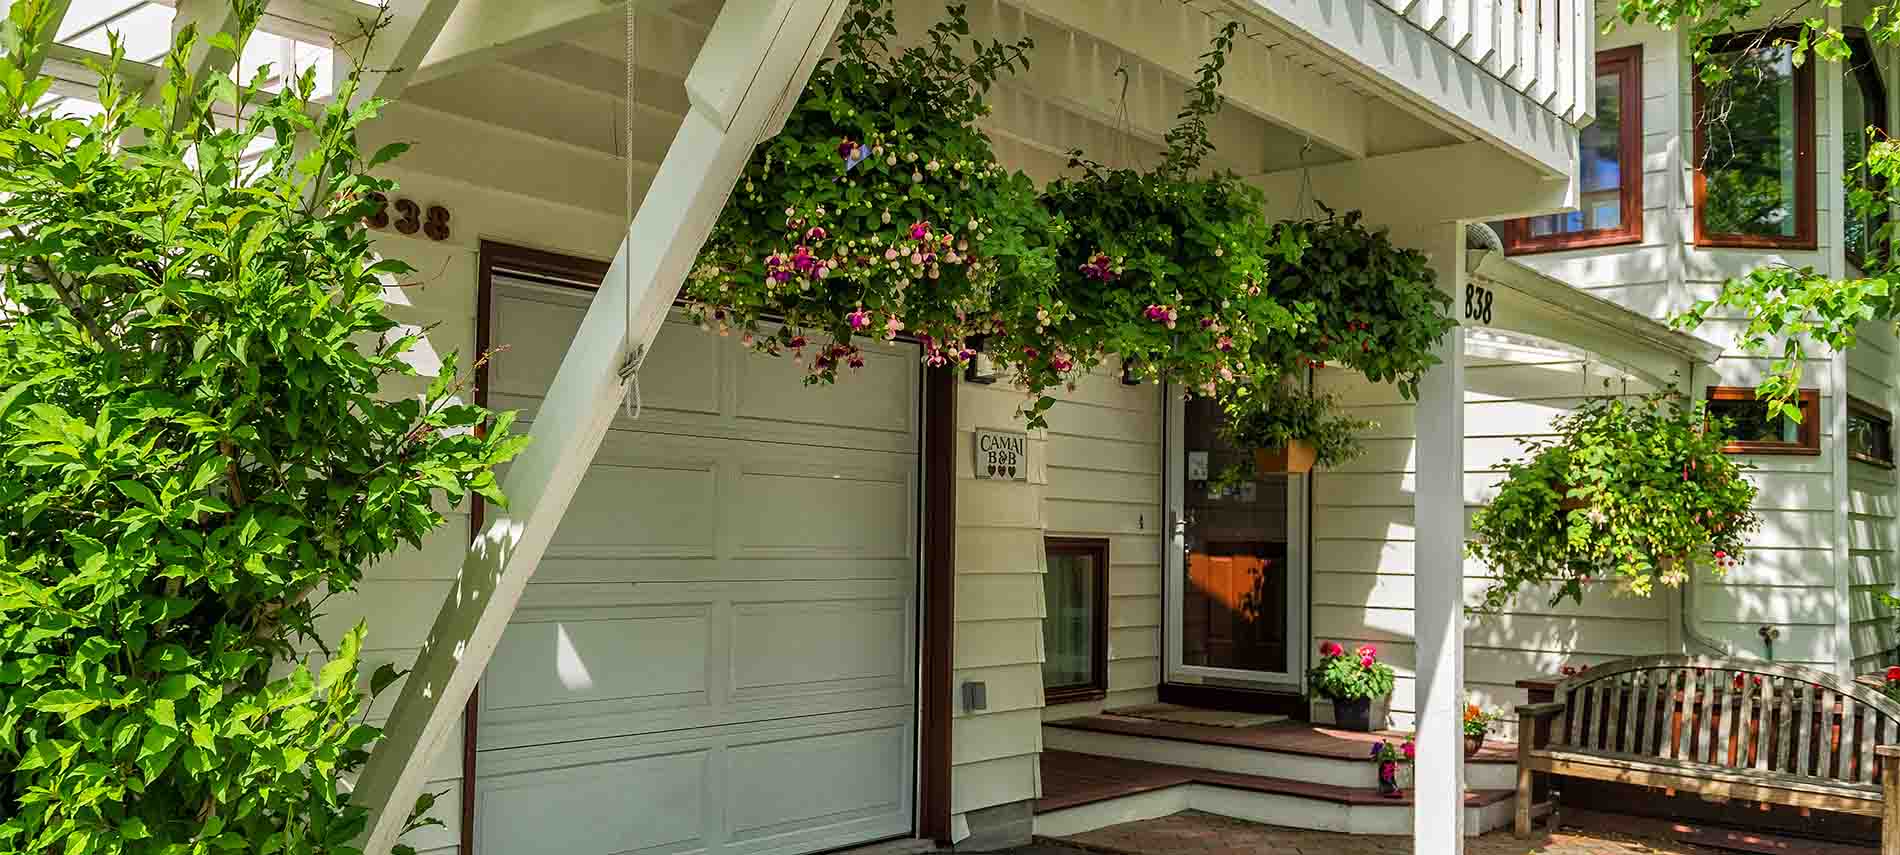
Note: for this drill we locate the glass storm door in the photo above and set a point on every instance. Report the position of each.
(1236, 562)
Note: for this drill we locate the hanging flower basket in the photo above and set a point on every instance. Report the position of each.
(1663, 498)
(879, 210)
(1290, 429)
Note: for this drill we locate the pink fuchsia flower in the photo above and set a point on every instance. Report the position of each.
(802, 260)
(1330, 649)
(856, 359)
(858, 319)
(797, 341)
(1061, 362)
(920, 230)
(1099, 267)
(892, 326)
(815, 233)
(1030, 353)
(847, 147)
(1224, 343)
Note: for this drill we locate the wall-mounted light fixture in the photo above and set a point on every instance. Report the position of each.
(980, 369)
(1131, 372)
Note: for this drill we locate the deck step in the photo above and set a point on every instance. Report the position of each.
(1289, 751)
(1083, 792)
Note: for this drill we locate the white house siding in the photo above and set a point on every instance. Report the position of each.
(1872, 568)
(1362, 531)
(1094, 473)
(1791, 581)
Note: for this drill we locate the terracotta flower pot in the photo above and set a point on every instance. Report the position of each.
(1296, 457)
(1473, 744)
(1564, 502)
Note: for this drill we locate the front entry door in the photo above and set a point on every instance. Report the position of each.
(1236, 592)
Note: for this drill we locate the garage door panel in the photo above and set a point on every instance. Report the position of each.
(536, 323)
(845, 645)
(727, 613)
(881, 396)
(676, 518)
(814, 515)
(551, 660)
(652, 805)
(768, 810)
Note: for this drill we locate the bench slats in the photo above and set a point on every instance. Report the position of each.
(1725, 729)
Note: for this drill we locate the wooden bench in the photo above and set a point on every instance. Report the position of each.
(1722, 728)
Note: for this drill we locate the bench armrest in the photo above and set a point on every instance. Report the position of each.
(1536, 711)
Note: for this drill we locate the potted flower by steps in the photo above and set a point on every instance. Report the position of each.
(1290, 429)
(1478, 721)
(1353, 681)
(1392, 759)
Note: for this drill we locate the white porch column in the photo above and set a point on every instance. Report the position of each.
(758, 56)
(1438, 513)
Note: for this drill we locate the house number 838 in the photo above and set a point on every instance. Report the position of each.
(1477, 304)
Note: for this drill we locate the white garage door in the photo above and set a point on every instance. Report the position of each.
(719, 651)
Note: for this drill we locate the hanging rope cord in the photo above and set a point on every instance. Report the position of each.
(636, 354)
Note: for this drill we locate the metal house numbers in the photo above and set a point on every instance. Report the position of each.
(1002, 455)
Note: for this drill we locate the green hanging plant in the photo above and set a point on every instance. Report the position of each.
(880, 208)
(1632, 490)
(1280, 414)
(1376, 307)
(1169, 269)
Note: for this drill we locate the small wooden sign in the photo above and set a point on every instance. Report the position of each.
(1002, 455)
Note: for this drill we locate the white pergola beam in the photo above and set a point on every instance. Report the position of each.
(207, 18)
(758, 56)
(483, 31)
(409, 29)
(55, 12)
(1172, 36)
(1467, 181)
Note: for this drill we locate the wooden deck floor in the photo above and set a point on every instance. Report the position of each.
(1070, 779)
(1285, 737)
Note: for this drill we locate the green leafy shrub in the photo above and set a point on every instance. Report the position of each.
(1274, 414)
(880, 208)
(1350, 675)
(193, 455)
(1632, 490)
(1376, 307)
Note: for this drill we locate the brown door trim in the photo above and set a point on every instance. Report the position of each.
(542, 264)
(935, 704)
(936, 701)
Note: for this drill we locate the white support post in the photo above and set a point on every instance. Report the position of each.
(759, 53)
(1438, 525)
(207, 18)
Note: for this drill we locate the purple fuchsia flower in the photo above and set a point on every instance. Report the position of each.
(816, 233)
(802, 260)
(1224, 343)
(1099, 267)
(856, 360)
(858, 319)
(1061, 362)
(1163, 315)
(853, 154)
(920, 230)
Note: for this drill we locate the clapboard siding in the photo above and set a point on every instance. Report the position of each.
(1362, 532)
(1105, 480)
(1872, 497)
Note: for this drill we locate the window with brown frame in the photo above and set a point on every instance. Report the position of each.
(1863, 106)
(1075, 630)
(1752, 431)
(1610, 208)
(1869, 433)
(1754, 143)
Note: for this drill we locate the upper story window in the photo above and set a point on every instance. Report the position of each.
(1754, 179)
(1863, 106)
(1610, 207)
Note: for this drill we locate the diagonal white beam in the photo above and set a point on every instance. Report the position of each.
(52, 13)
(759, 55)
(483, 31)
(207, 18)
(409, 29)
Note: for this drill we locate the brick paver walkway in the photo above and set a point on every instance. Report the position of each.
(1192, 833)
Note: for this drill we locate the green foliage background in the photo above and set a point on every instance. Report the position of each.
(193, 455)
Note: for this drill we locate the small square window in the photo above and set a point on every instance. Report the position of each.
(1752, 431)
(1075, 628)
(1869, 433)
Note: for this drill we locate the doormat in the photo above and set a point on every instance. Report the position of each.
(1178, 714)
